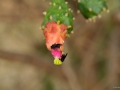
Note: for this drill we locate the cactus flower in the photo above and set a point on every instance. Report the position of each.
(55, 35)
(57, 24)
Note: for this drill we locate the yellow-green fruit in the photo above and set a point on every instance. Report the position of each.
(57, 61)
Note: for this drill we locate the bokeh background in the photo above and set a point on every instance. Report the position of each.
(93, 61)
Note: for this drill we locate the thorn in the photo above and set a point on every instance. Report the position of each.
(66, 2)
(104, 9)
(54, 4)
(90, 9)
(94, 20)
(50, 3)
(90, 19)
(78, 1)
(69, 9)
(59, 7)
(72, 32)
(108, 11)
(69, 26)
(50, 17)
(58, 22)
(68, 35)
(44, 13)
(66, 14)
(78, 11)
(40, 28)
(99, 16)
(73, 18)
(43, 27)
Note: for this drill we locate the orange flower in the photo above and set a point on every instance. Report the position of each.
(55, 34)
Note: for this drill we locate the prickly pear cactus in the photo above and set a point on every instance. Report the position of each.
(56, 26)
(58, 23)
(59, 12)
(92, 8)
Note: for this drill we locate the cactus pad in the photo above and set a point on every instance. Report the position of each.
(92, 8)
(59, 12)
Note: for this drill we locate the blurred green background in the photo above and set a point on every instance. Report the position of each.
(93, 61)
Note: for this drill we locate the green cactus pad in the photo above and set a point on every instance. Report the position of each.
(91, 8)
(59, 12)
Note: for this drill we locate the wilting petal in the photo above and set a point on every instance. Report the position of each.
(55, 34)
